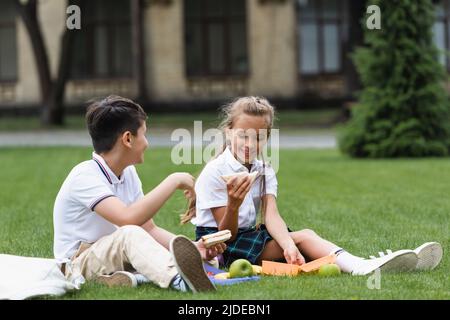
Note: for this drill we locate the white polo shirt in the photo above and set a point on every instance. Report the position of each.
(86, 185)
(211, 190)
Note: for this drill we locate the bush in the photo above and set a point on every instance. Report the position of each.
(403, 109)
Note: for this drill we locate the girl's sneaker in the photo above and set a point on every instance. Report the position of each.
(189, 263)
(398, 261)
(429, 255)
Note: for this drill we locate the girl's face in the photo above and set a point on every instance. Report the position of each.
(247, 136)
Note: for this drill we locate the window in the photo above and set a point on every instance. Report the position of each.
(441, 30)
(320, 31)
(215, 37)
(8, 41)
(103, 47)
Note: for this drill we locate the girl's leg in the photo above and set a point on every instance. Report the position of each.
(312, 245)
(308, 243)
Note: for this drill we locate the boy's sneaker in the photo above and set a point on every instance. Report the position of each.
(118, 278)
(429, 255)
(179, 284)
(398, 261)
(190, 265)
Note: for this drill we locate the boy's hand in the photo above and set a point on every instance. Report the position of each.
(208, 254)
(183, 180)
(237, 189)
(293, 256)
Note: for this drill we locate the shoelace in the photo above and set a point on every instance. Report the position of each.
(381, 254)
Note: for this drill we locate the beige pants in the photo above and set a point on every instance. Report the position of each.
(130, 248)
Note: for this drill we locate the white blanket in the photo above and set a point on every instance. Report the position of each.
(24, 277)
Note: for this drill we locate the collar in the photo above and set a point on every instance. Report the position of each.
(235, 164)
(106, 170)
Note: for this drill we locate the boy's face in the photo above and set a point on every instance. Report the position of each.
(139, 144)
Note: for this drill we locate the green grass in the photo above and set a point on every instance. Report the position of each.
(363, 205)
(291, 121)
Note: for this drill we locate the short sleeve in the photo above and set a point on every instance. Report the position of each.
(89, 190)
(271, 181)
(210, 189)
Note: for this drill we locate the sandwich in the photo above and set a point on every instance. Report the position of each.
(252, 176)
(215, 238)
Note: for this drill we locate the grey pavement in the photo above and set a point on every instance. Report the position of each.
(81, 138)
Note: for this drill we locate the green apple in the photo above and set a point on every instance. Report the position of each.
(330, 269)
(241, 268)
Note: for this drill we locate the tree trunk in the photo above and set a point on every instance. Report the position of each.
(56, 103)
(28, 12)
(52, 91)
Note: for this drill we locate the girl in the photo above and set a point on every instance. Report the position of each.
(234, 205)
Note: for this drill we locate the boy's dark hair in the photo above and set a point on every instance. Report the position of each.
(108, 118)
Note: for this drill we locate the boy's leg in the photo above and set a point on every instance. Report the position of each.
(129, 246)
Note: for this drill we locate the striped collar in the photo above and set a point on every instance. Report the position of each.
(107, 172)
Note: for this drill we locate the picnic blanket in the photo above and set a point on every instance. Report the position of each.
(224, 282)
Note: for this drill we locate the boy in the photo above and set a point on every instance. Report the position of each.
(103, 222)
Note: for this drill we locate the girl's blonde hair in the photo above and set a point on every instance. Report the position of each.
(253, 106)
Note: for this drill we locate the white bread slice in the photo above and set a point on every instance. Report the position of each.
(252, 175)
(215, 238)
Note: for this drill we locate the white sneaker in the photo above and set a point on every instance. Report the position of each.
(140, 278)
(118, 278)
(429, 255)
(398, 261)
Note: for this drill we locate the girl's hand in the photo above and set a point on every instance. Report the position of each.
(293, 256)
(237, 189)
(183, 181)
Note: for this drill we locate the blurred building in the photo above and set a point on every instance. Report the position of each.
(196, 51)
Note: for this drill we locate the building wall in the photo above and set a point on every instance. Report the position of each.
(272, 51)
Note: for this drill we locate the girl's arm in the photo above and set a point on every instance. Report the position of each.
(228, 217)
(279, 231)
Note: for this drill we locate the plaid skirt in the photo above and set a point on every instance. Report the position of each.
(248, 244)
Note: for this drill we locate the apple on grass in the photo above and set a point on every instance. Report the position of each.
(241, 268)
(329, 269)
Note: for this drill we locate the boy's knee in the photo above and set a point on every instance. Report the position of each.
(132, 230)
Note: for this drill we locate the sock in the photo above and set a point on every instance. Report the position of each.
(346, 261)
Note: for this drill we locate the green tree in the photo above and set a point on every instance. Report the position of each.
(403, 108)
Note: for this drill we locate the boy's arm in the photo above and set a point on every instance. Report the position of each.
(141, 211)
(164, 237)
(161, 235)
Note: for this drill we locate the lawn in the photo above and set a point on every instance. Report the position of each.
(289, 120)
(363, 205)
